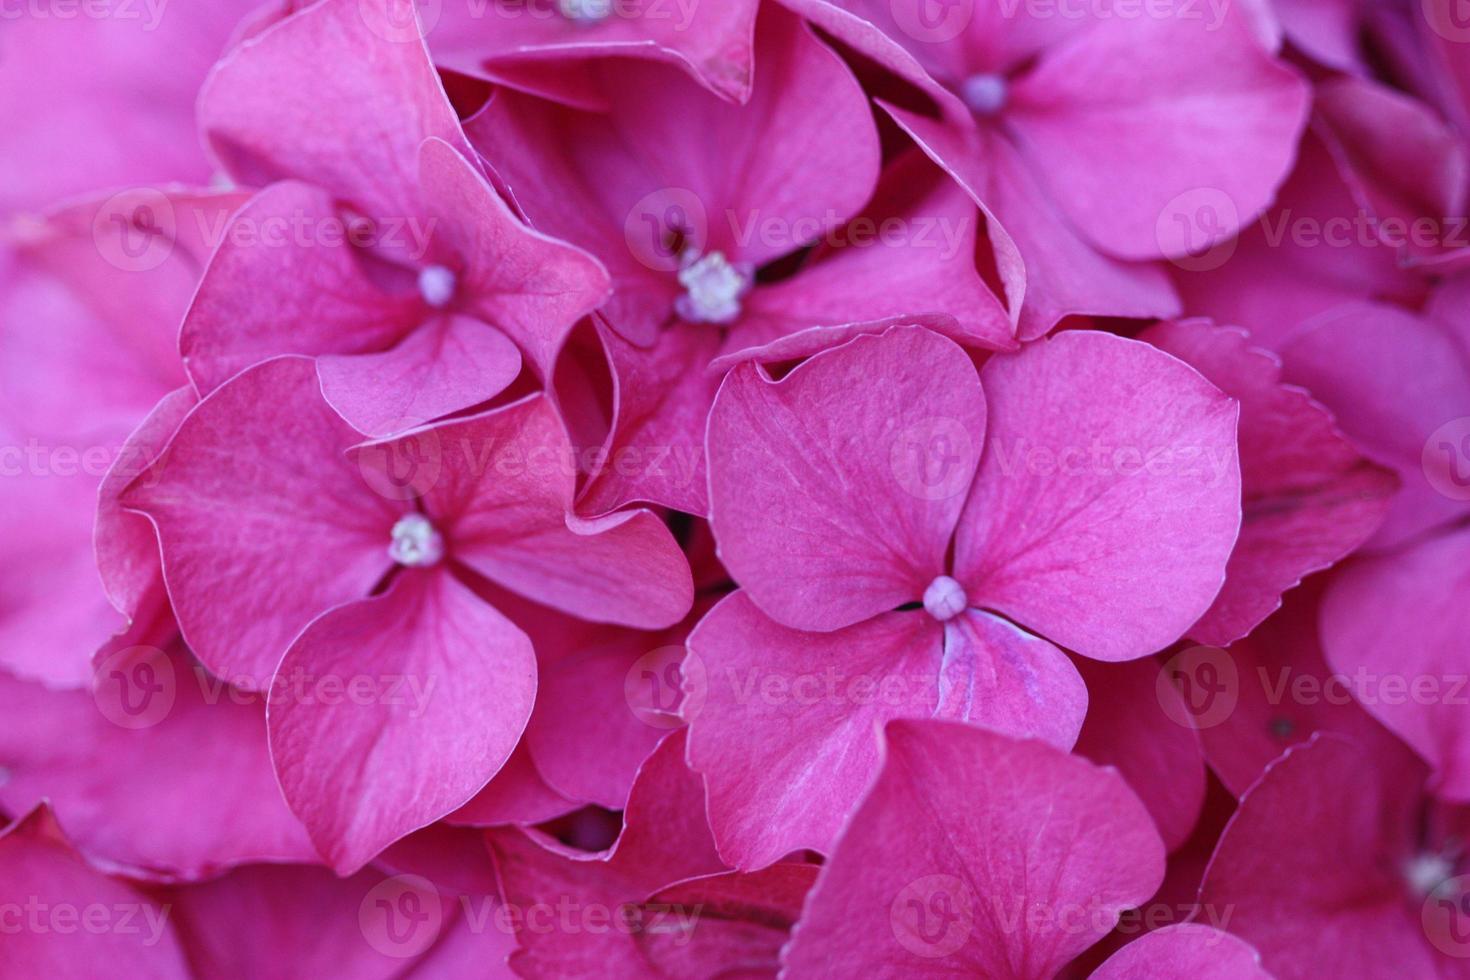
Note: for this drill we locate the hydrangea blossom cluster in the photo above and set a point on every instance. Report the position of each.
(714, 488)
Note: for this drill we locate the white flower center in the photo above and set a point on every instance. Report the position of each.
(713, 288)
(436, 285)
(945, 599)
(415, 542)
(585, 11)
(985, 93)
(1425, 873)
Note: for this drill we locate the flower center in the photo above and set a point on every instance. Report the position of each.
(585, 11)
(985, 93)
(713, 288)
(436, 285)
(945, 599)
(1426, 873)
(415, 542)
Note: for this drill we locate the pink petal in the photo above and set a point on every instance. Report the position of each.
(521, 46)
(501, 484)
(871, 272)
(664, 840)
(125, 543)
(1123, 121)
(447, 364)
(1268, 692)
(1308, 254)
(783, 728)
(529, 286)
(40, 871)
(743, 921)
(589, 735)
(1403, 163)
(87, 106)
(1311, 862)
(1309, 499)
(664, 143)
(269, 112)
(1395, 625)
(964, 854)
(167, 780)
(1354, 360)
(833, 498)
(518, 794)
(1185, 950)
(56, 611)
(1131, 727)
(785, 733)
(449, 685)
(263, 522)
(1062, 274)
(367, 927)
(1121, 554)
(662, 396)
(269, 291)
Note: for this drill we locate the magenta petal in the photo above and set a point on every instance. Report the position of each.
(537, 51)
(449, 363)
(1309, 498)
(744, 920)
(269, 291)
(263, 521)
(1108, 500)
(1123, 122)
(182, 788)
(1395, 625)
(1311, 862)
(125, 543)
(999, 676)
(39, 869)
(833, 498)
(1354, 360)
(364, 927)
(1283, 692)
(530, 287)
(964, 855)
(785, 736)
(1185, 950)
(870, 273)
(1276, 274)
(586, 736)
(662, 396)
(783, 726)
(269, 112)
(665, 840)
(501, 485)
(449, 684)
(1130, 725)
(517, 795)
